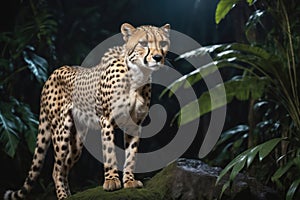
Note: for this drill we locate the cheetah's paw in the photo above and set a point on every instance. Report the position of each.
(133, 184)
(112, 184)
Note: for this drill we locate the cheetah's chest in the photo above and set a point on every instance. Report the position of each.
(138, 105)
(140, 77)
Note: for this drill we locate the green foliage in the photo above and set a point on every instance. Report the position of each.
(224, 6)
(247, 157)
(248, 86)
(241, 88)
(233, 140)
(282, 72)
(22, 66)
(15, 118)
(270, 71)
(36, 64)
(292, 190)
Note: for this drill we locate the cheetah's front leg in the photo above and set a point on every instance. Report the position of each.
(111, 181)
(131, 144)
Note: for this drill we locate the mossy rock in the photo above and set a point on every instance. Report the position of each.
(186, 179)
(155, 189)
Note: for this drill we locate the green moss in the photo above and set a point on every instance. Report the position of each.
(160, 183)
(98, 193)
(155, 189)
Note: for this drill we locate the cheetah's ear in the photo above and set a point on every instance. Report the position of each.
(166, 28)
(127, 30)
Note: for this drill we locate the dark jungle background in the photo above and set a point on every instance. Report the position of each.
(256, 47)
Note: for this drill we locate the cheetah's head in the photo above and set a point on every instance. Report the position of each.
(146, 46)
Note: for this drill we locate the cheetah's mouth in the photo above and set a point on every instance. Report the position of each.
(155, 65)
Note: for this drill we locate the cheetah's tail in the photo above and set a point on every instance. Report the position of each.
(43, 141)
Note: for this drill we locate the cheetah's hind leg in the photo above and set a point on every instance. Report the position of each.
(62, 145)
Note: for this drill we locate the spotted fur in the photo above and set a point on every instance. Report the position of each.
(115, 93)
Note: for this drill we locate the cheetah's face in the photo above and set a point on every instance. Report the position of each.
(146, 46)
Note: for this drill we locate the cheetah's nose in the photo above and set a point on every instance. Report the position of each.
(157, 57)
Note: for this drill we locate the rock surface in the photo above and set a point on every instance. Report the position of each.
(186, 179)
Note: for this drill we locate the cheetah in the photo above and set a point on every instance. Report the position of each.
(113, 94)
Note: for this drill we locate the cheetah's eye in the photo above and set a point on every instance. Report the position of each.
(143, 43)
(163, 44)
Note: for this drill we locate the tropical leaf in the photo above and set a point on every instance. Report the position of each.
(250, 2)
(267, 147)
(221, 48)
(30, 122)
(237, 130)
(223, 7)
(37, 65)
(238, 163)
(16, 121)
(42, 24)
(282, 170)
(241, 88)
(239, 56)
(9, 126)
(251, 155)
(8, 139)
(224, 188)
(292, 190)
(202, 51)
(203, 105)
(250, 49)
(255, 18)
(229, 167)
(191, 78)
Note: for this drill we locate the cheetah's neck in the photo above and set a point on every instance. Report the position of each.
(140, 76)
